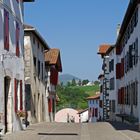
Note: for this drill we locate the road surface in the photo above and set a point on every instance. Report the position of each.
(71, 131)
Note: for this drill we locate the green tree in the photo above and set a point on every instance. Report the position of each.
(80, 83)
(84, 82)
(96, 82)
(68, 83)
(73, 83)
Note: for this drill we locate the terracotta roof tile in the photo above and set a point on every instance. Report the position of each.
(103, 48)
(52, 57)
(97, 96)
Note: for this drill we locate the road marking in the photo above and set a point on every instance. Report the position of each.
(125, 135)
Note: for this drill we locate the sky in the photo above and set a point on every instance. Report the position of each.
(77, 28)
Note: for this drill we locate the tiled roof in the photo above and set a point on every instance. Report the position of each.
(81, 111)
(52, 57)
(97, 96)
(31, 29)
(103, 48)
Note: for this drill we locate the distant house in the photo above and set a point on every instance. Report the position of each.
(83, 115)
(53, 66)
(93, 108)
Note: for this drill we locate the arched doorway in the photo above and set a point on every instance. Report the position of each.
(7, 104)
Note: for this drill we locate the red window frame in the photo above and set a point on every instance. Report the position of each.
(6, 30)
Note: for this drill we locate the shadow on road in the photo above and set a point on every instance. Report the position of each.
(124, 126)
(70, 134)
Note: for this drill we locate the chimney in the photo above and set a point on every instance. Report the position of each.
(118, 29)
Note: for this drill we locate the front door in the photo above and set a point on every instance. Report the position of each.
(7, 104)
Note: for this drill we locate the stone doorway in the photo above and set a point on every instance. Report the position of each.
(7, 104)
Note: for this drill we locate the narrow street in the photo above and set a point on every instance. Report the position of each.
(85, 131)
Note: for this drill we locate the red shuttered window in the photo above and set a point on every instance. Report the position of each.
(6, 30)
(122, 67)
(54, 76)
(118, 71)
(17, 39)
(21, 95)
(49, 105)
(15, 95)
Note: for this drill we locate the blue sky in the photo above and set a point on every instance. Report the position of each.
(77, 28)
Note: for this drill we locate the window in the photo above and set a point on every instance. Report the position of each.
(130, 56)
(34, 61)
(136, 51)
(101, 88)
(34, 40)
(17, 39)
(113, 106)
(6, 30)
(38, 68)
(112, 84)
(111, 65)
(42, 72)
(38, 45)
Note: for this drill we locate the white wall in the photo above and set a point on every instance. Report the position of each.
(11, 65)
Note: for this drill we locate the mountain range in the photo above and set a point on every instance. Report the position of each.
(64, 78)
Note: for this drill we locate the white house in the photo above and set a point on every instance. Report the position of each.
(53, 67)
(11, 64)
(93, 108)
(83, 115)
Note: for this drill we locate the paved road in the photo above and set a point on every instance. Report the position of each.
(90, 131)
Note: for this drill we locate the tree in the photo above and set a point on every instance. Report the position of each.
(80, 83)
(84, 82)
(73, 83)
(96, 82)
(68, 83)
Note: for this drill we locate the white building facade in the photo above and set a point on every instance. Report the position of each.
(128, 64)
(35, 75)
(11, 64)
(83, 116)
(93, 108)
(112, 82)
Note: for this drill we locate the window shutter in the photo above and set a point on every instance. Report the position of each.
(17, 39)
(21, 102)
(49, 105)
(96, 112)
(93, 112)
(6, 30)
(136, 51)
(15, 95)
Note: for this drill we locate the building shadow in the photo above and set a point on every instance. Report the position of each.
(124, 126)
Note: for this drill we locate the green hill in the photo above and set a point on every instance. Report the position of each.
(75, 96)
